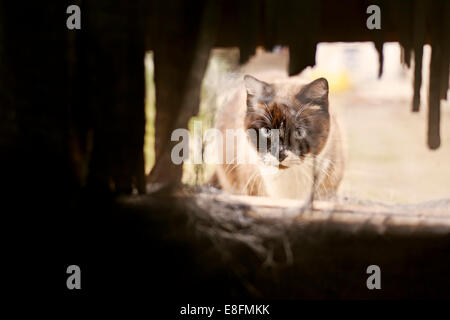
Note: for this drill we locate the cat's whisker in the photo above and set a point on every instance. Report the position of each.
(310, 117)
(320, 174)
(327, 160)
(261, 181)
(261, 114)
(252, 177)
(268, 111)
(229, 170)
(299, 112)
(258, 121)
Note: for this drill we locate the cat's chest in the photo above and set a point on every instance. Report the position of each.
(291, 183)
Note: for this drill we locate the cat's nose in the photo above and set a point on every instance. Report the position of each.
(282, 155)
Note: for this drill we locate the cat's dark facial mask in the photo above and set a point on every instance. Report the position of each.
(298, 112)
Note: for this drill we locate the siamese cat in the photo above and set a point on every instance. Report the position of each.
(294, 117)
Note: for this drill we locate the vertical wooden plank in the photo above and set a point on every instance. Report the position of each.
(419, 18)
(445, 50)
(186, 35)
(434, 90)
(114, 50)
(434, 104)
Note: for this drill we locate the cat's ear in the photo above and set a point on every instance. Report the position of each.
(257, 90)
(315, 92)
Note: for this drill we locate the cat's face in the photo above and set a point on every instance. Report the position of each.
(293, 119)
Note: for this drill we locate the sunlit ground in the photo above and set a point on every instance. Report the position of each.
(388, 159)
(387, 156)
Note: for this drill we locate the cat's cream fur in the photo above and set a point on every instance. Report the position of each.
(266, 180)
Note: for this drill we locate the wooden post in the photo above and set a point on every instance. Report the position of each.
(180, 56)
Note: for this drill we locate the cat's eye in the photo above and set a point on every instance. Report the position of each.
(301, 132)
(265, 132)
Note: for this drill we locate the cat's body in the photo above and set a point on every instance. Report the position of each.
(309, 134)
